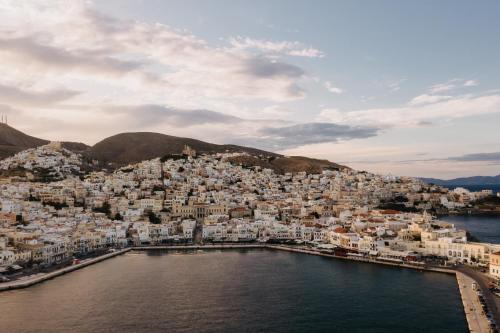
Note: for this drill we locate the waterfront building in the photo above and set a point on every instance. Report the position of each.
(495, 264)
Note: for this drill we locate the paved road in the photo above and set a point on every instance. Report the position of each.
(476, 318)
(483, 280)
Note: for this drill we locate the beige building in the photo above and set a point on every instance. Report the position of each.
(198, 210)
(495, 264)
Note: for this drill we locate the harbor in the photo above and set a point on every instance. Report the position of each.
(476, 318)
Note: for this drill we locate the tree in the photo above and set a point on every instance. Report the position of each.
(105, 208)
(153, 218)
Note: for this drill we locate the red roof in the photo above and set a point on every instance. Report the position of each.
(390, 212)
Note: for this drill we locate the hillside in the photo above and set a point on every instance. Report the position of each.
(283, 164)
(476, 180)
(13, 141)
(126, 148)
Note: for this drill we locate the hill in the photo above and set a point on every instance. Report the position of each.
(13, 141)
(125, 148)
(475, 180)
(283, 164)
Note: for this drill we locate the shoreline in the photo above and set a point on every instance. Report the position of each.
(475, 317)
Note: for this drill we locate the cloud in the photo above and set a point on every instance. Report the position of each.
(416, 114)
(8, 110)
(23, 97)
(441, 87)
(295, 49)
(395, 85)
(478, 157)
(471, 83)
(105, 47)
(331, 88)
(452, 85)
(428, 99)
(146, 115)
(279, 138)
(28, 49)
(265, 68)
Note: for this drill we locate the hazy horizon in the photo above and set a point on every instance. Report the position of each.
(390, 87)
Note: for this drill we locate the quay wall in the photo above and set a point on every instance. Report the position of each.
(365, 260)
(43, 277)
(199, 247)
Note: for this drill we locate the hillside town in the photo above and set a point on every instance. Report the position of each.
(191, 199)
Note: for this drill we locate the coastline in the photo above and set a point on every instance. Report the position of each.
(476, 318)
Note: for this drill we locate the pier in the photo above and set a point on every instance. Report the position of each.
(32, 280)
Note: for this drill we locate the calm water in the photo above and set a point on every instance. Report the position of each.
(236, 291)
(486, 228)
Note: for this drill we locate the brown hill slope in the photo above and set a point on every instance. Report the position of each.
(284, 164)
(13, 141)
(125, 148)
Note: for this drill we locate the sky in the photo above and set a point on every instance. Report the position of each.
(393, 87)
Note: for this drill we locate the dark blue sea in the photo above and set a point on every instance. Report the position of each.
(485, 228)
(236, 291)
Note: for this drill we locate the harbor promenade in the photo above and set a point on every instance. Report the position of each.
(476, 318)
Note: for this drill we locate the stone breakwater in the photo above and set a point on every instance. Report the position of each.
(29, 281)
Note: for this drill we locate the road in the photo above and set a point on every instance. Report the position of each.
(476, 318)
(483, 280)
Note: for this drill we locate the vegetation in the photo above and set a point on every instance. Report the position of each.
(153, 218)
(105, 208)
(56, 205)
(397, 206)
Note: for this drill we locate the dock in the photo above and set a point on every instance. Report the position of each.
(29, 281)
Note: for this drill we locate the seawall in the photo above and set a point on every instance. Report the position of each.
(365, 260)
(18, 284)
